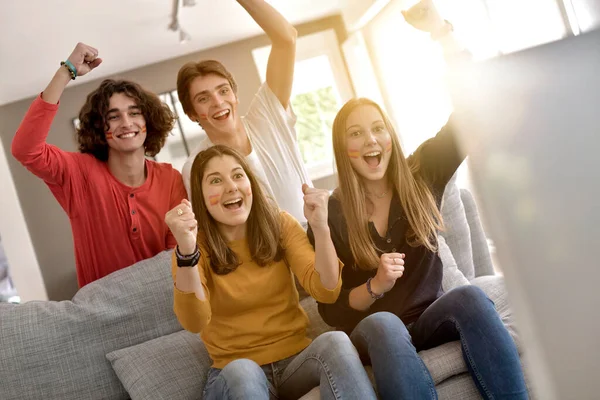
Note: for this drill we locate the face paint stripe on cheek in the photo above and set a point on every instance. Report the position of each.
(109, 135)
(203, 116)
(388, 148)
(352, 153)
(214, 199)
(144, 129)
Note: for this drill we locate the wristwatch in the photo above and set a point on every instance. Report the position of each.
(374, 296)
(187, 260)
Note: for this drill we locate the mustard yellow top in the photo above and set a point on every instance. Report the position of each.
(254, 312)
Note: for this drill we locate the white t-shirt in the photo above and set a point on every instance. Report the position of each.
(275, 158)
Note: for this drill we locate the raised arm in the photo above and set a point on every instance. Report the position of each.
(280, 67)
(318, 269)
(191, 296)
(326, 260)
(84, 58)
(425, 17)
(29, 144)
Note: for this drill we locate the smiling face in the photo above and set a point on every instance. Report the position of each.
(368, 142)
(227, 193)
(214, 102)
(126, 131)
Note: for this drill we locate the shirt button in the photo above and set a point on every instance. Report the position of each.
(394, 250)
(130, 194)
(389, 240)
(135, 229)
(132, 212)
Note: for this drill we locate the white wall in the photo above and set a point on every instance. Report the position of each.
(23, 265)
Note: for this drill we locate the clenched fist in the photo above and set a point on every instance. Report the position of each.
(84, 58)
(182, 223)
(391, 267)
(424, 16)
(315, 206)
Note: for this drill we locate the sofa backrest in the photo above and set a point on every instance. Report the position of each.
(464, 233)
(57, 350)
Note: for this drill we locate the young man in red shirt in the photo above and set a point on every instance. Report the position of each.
(115, 198)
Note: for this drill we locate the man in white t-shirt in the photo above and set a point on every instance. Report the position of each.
(266, 135)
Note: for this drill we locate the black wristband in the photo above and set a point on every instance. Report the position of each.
(373, 295)
(187, 260)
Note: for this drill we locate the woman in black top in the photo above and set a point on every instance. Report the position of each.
(384, 218)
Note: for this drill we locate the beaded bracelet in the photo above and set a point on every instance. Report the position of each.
(69, 66)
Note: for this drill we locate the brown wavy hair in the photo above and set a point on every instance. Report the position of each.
(191, 71)
(424, 217)
(91, 134)
(263, 227)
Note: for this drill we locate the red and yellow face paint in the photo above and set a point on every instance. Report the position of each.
(214, 199)
(353, 153)
(109, 135)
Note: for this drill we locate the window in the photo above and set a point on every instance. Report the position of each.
(319, 90)
(185, 136)
(411, 68)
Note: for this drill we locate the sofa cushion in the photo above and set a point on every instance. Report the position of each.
(170, 367)
(57, 350)
(452, 276)
(456, 229)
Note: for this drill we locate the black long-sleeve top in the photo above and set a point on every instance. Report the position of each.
(421, 283)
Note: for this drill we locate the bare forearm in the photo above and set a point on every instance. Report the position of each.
(326, 260)
(277, 28)
(57, 86)
(453, 49)
(360, 299)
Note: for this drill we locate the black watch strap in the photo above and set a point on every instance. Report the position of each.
(373, 295)
(187, 260)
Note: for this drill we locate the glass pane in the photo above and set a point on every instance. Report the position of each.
(174, 151)
(315, 101)
(192, 132)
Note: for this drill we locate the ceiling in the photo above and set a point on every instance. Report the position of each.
(35, 35)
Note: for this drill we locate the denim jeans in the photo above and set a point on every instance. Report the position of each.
(330, 362)
(464, 314)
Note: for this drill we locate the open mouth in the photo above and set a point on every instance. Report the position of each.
(221, 115)
(127, 135)
(233, 204)
(373, 159)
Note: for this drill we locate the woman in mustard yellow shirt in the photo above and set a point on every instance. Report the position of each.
(234, 284)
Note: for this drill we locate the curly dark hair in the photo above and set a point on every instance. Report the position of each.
(93, 124)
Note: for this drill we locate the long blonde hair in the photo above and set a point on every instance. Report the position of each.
(424, 217)
(263, 229)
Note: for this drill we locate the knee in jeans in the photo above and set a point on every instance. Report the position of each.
(384, 323)
(469, 294)
(334, 341)
(242, 370)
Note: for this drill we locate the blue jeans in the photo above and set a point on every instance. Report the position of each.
(464, 314)
(330, 362)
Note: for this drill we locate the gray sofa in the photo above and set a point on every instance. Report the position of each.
(118, 337)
